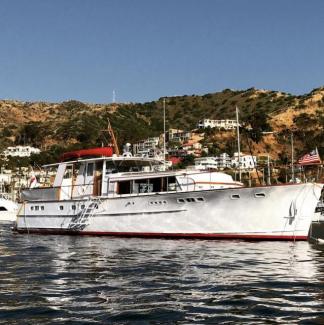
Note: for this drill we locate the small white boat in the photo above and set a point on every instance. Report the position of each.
(8, 208)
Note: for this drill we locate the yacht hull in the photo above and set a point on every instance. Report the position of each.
(282, 212)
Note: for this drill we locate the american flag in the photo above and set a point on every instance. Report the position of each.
(311, 158)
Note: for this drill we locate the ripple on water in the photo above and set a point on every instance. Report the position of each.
(95, 280)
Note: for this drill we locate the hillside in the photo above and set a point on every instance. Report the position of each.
(58, 127)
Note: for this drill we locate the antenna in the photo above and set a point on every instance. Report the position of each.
(114, 96)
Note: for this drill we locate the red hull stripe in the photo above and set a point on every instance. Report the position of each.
(164, 235)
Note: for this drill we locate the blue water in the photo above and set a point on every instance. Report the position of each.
(102, 280)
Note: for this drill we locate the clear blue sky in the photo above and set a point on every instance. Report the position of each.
(56, 50)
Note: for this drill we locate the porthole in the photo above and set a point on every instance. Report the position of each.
(73, 207)
(259, 195)
(42, 208)
(36, 207)
(164, 202)
(82, 206)
(190, 199)
(200, 199)
(181, 201)
(32, 208)
(61, 207)
(235, 196)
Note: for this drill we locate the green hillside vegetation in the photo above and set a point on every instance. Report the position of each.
(57, 128)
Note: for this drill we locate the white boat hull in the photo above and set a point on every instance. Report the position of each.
(274, 212)
(6, 216)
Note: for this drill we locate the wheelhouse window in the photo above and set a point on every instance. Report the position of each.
(147, 185)
(90, 168)
(142, 186)
(68, 172)
(124, 187)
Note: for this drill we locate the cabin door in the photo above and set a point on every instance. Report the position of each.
(88, 179)
(67, 182)
(97, 179)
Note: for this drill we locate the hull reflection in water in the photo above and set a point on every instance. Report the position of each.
(124, 281)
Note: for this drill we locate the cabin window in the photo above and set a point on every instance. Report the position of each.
(61, 207)
(142, 186)
(200, 199)
(181, 201)
(157, 184)
(124, 187)
(172, 183)
(90, 168)
(259, 195)
(68, 172)
(190, 199)
(235, 196)
(36, 208)
(3, 209)
(32, 208)
(73, 207)
(42, 207)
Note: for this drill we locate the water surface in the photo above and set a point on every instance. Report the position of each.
(106, 280)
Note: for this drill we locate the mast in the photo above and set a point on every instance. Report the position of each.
(113, 138)
(164, 132)
(238, 143)
(292, 157)
(269, 171)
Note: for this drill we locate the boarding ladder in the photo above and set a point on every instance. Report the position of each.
(82, 219)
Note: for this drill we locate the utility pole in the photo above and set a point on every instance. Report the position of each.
(269, 171)
(292, 157)
(164, 149)
(238, 143)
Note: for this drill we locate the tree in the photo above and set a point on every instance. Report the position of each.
(258, 121)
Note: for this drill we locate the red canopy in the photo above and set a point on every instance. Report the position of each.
(94, 152)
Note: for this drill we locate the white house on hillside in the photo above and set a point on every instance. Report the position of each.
(206, 163)
(220, 124)
(224, 161)
(246, 161)
(21, 151)
(146, 148)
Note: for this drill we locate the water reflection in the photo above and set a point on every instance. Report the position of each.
(52, 279)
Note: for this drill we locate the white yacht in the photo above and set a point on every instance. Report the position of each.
(94, 192)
